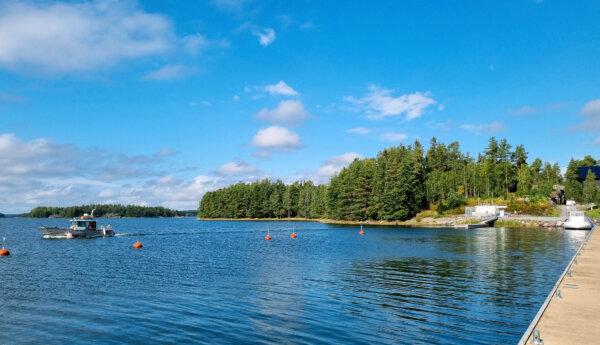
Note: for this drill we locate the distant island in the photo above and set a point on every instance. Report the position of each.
(107, 210)
(407, 182)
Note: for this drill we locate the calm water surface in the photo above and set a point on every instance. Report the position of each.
(220, 282)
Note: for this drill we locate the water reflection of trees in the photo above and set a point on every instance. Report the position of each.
(472, 282)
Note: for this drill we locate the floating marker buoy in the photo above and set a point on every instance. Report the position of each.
(4, 252)
(268, 237)
(69, 235)
(293, 235)
(361, 231)
(137, 245)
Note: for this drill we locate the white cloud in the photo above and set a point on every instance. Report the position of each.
(275, 138)
(236, 98)
(286, 112)
(359, 130)
(265, 36)
(280, 88)
(393, 136)
(492, 127)
(334, 164)
(170, 72)
(236, 168)
(380, 103)
(68, 37)
(597, 141)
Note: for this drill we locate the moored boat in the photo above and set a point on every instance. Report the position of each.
(81, 227)
(578, 221)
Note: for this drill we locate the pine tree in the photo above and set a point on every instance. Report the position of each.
(590, 189)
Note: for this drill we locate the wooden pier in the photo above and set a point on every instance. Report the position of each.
(485, 223)
(571, 312)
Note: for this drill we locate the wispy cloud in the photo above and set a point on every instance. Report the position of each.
(265, 36)
(492, 127)
(532, 110)
(229, 5)
(379, 103)
(359, 130)
(8, 97)
(334, 164)
(69, 37)
(392, 136)
(170, 72)
(236, 168)
(591, 115)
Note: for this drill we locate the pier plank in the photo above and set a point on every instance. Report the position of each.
(574, 318)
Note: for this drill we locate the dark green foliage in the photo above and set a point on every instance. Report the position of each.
(590, 189)
(265, 199)
(399, 183)
(453, 201)
(102, 210)
(574, 187)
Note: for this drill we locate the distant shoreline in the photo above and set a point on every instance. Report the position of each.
(530, 222)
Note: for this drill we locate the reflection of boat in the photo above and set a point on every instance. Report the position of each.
(82, 227)
(578, 221)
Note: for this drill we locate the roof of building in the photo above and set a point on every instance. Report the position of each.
(583, 171)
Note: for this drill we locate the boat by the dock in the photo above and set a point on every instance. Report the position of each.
(578, 221)
(81, 227)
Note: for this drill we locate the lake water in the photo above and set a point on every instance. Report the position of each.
(221, 282)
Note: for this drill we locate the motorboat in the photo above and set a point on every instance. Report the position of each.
(81, 227)
(578, 221)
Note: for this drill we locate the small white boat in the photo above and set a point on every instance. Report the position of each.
(578, 221)
(81, 227)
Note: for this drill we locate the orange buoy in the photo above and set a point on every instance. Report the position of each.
(293, 235)
(137, 245)
(268, 237)
(69, 235)
(4, 252)
(361, 232)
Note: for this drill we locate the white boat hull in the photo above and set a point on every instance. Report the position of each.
(578, 226)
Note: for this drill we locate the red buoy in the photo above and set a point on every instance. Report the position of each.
(293, 235)
(4, 252)
(268, 237)
(361, 232)
(137, 245)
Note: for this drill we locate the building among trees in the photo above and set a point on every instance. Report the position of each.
(584, 171)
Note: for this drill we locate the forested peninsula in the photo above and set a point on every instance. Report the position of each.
(106, 210)
(405, 180)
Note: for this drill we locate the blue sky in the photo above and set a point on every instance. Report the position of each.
(156, 102)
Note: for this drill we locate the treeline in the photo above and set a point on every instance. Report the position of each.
(116, 210)
(397, 184)
(266, 199)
